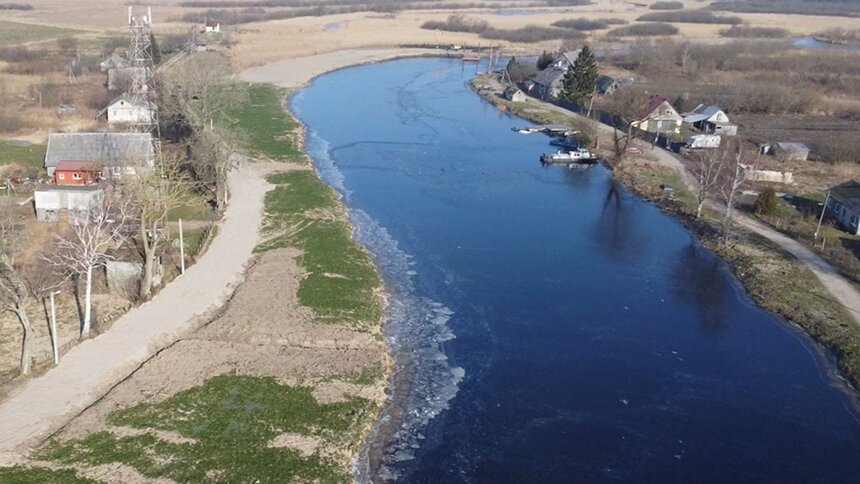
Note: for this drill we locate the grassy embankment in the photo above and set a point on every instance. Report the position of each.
(230, 420)
(775, 279)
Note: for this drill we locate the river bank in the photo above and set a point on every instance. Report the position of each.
(297, 346)
(775, 279)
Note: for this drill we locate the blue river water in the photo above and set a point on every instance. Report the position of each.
(549, 326)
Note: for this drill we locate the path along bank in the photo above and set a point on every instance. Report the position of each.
(780, 273)
(298, 343)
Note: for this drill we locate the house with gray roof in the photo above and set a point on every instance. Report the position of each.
(119, 154)
(843, 204)
(565, 60)
(113, 61)
(787, 151)
(548, 83)
(711, 120)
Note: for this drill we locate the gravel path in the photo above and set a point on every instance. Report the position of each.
(85, 373)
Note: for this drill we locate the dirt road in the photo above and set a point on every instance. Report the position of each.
(86, 372)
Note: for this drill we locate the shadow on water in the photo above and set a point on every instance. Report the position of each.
(698, 279)
(616, 232)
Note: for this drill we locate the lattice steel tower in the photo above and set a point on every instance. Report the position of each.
(142, 70)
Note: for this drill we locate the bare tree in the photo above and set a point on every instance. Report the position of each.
(708, 168)
(13, 288)
(211, 160)
(734, 171)
(84, 247)
(152, 196)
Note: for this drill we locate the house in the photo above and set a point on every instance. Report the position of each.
(844, 205)
(77, 173)
(114, 61)
(548, 83)
(130, 110)
(787, 151)
(514, 95)
(658, 116)
(606, 85)
(119, 154)
(54, 203)
(211, 26)
(710, 120)
(121, 78)
(565, 60)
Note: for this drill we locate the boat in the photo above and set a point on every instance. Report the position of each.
(579, 155)
(566, 143)
(530, 130)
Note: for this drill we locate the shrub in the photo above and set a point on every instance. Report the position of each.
(666, 6)
(765, 203)
(612, 21)
(797, 7)
(581, 24)
(458, 23)
(755, 32)
(15, 6)
(691, 17)
(531, 33)
(644, 30)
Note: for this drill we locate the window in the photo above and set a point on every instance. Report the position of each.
(76, 176)
(61, 176)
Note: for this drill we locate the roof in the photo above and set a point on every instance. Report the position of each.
(654, 102)
(569, 56)
(114, 149)
(701, 113)
(68, 188)
(115, 60)
(549, 76)
(795, 147)
(848, 194)
(78, 166)
(605, 83)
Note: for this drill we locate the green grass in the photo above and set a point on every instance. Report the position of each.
(231, 419)
(32, 156)
(196, 208)
(264, 124)
(12, 33)
(341, 285)
(36, 475)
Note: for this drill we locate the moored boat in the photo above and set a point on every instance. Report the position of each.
(579, 155)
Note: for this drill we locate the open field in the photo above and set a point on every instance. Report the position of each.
(19, 33)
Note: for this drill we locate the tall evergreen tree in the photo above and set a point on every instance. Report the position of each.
(581, 78)
(544, 60)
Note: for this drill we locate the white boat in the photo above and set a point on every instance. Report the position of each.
(531, 130)
(579, 155)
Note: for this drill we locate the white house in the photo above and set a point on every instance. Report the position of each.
(62, 202)
(211, 26)
(120, 154)
(658, 116)
(128, 110)
(711, 120)
(514, 95)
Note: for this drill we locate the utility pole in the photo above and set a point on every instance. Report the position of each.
(181, 249)
(821, 218)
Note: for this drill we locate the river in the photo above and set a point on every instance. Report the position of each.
(549, 326)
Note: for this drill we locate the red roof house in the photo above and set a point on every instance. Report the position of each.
(77, 173)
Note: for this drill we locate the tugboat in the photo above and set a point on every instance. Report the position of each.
(579, 155)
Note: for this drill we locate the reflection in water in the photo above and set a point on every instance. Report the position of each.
(616, 232)
(699, 281)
